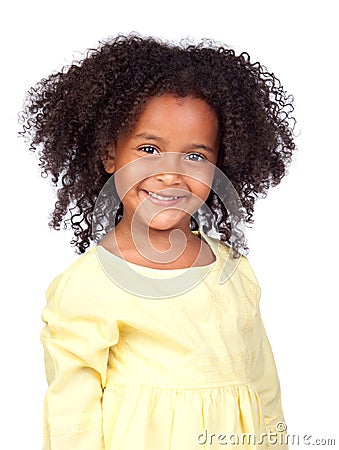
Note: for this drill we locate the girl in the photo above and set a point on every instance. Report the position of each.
(153, 337)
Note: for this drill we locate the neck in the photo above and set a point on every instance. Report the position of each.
(162, 246)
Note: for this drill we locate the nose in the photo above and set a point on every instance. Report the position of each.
(169, 169)
(169, 178)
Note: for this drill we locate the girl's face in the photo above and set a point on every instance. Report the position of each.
(164, 166)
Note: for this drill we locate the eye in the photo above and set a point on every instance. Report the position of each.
(149, 149)
(195, 157)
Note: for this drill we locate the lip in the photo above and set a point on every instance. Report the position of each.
(160, 202)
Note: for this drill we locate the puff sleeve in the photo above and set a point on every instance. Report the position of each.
(77, 336)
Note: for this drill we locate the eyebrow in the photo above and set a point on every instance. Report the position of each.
(152, 137)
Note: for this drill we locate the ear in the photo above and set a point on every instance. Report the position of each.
(108, 160)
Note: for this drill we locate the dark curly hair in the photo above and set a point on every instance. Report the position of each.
(71, 117)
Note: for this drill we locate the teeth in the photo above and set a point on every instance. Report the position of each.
(160, 197)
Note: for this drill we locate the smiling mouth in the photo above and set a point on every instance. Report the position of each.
(163, 199)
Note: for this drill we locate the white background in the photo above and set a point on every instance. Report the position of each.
(293, 241)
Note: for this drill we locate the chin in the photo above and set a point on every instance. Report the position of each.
(165, 225)
(162, 226)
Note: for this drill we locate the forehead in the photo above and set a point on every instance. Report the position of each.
(185, 116)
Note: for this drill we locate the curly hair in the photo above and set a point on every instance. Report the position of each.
(71, 117)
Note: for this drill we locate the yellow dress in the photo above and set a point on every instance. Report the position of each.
(184, 372)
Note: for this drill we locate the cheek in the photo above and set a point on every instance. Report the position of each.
(200, 177)
(129, 175)
(200, 190)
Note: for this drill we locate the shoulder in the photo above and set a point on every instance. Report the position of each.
(77, 305)
(77, 276)
(239, 270)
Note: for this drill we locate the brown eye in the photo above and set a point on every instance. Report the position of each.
(149, 149)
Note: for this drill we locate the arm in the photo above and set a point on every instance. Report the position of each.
(76, 339)
(265, 379)
(262, 368)
(264, 375)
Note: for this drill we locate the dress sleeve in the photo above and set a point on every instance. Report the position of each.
(77, 336)
(263, 371)
(265, 379)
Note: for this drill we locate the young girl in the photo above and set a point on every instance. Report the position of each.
(153, 337)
